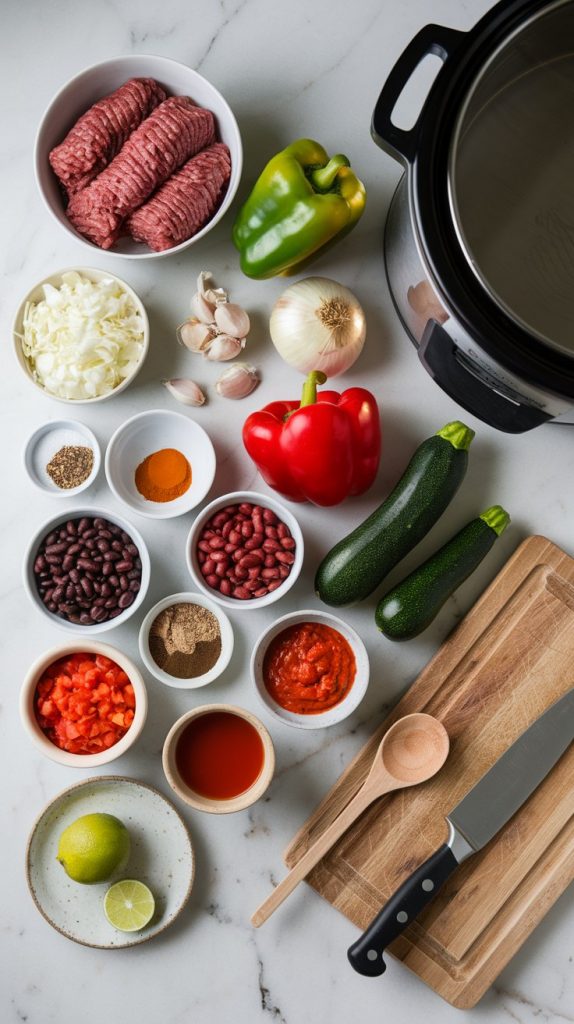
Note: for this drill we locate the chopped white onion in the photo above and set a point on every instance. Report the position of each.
(83, 338)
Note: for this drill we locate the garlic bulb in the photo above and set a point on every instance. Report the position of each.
(218, 328)
(238, 381)
(318, 324)
(185, 391)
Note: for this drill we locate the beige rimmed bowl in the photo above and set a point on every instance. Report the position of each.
(39, 738)
(203, 803)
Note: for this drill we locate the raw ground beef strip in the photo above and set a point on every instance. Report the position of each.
(99, 134)
(185, 202)
(174, 132)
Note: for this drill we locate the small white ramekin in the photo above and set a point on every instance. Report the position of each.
(226, 641)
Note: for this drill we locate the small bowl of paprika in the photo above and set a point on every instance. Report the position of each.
(310, 669)
(160, 464)
(83, 703)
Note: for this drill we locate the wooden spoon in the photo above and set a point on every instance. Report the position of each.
(412, 751)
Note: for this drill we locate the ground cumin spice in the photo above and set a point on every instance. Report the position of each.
(163, 475)
(185, 640)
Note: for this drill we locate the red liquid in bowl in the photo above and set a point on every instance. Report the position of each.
(219, 755)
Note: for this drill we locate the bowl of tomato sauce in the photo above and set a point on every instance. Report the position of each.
(310, 669)
(83, 704)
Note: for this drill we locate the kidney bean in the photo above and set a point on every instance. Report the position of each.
(107, 568)
(40, 564)
(269, 561)
(212, 581)
(74, 548)
(219, 556)
(283, 531)
(204, 546)
(288, 544)
(271, 532)
(271, 545)
(105, 534)
(124, 566)
(74, 575)
(98, 614)
(57, 594)
(284, 571)
(247, 529)
(241, 593)
(229, 549)
(225, 587)
(68, 563)
(227, 528)
(134, 586)
(114, 581)
(201, 556)
(246, 508)
(99, 602)
(105, 590)
(102, 545)
(235, 537)
(126, 599)
(85, 524)
(254, 542)
(253, 573)
(270, 574)
(285, 557)
(216, 543)
(116, 545)
(114, 613)
(51, 538)
(220, 519)
(241, 573)
(111, 602)
(269, 516)
(56, 549)
(251, 585)
(274, 585)
(70, 591)
(124, 583)
(134, 574)
(51, 606)
(85, 618)
(250, 560)
(71, 528)
(87, 564)
(261, 592)
(111, 556)
(221, 570)
(208, 567)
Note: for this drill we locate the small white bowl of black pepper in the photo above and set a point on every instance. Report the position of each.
(186, 640)
(87, 570)
(62, 458)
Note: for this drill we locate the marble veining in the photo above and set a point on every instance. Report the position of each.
(288, 68)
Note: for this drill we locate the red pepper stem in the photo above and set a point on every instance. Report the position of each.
(309, 396)
(323, 178)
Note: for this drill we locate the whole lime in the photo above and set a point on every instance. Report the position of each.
(93, 847)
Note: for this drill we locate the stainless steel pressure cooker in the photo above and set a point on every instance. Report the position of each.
(479, 240)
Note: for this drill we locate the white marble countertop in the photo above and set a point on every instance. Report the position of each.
(288, 69)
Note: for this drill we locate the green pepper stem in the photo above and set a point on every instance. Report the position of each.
(497, 518)
(322, 178)
(309, 396)
(458, 434)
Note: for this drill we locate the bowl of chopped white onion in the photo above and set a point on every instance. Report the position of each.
(81, 335)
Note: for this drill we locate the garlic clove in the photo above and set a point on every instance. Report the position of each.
(237, 381)
(224, 347)
(196, 336)
(185, 391)
(202, 309)
(232, 319)
(215, 296)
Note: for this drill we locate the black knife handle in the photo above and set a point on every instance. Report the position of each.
(366, 954)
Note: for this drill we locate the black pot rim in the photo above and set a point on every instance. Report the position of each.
(501, 337)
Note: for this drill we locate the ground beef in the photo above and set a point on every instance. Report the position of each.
(100, 133)
(174, 132)
(185, 202)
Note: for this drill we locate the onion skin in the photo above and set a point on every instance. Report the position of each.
(302, 337)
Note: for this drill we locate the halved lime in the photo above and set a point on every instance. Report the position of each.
(129, 905)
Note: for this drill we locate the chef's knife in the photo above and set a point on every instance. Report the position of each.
(472, 824)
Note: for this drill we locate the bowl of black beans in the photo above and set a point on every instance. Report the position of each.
(87, 570)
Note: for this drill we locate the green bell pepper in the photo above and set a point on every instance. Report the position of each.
(301, 203)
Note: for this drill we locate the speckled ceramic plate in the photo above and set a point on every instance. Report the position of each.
(161, 856)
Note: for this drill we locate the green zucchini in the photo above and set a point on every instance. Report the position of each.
(357, 564)
(411, 606)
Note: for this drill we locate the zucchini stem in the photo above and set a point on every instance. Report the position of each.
(459, 435)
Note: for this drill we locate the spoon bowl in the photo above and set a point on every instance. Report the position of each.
(413, 749)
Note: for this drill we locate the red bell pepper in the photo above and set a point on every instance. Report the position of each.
(321, 449)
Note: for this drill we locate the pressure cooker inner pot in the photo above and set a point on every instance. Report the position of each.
(511, 176)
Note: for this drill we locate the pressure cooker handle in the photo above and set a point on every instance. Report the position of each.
(398, 142)
(438, 354)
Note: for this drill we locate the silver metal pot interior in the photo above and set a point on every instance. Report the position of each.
(511, 176)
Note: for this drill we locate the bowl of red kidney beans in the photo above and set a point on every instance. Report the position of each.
(87, 570)
(245, 550)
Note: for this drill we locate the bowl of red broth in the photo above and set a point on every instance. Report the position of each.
(218, 758)
(310, 669)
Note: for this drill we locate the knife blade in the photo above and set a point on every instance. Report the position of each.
(489, 805)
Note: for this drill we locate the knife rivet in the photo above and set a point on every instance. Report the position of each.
(372, 954)
(428, 885)
(402, 917)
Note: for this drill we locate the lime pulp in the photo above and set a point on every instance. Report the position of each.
(129, 905)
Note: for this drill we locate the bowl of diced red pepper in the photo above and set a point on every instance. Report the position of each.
(83, 704)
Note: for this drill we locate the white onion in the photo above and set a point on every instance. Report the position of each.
(318, 324)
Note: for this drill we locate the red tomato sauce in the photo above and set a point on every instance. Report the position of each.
(219, 755)
(84, 703)
(309, 668)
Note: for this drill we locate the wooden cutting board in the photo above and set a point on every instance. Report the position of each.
(507, 661)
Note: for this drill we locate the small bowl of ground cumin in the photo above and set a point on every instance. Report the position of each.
(186, 640)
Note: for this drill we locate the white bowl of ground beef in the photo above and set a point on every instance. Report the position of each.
(98, 81)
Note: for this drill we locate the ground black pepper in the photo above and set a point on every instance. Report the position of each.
(70, 466)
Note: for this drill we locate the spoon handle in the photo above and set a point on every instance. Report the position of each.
(362, 799)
